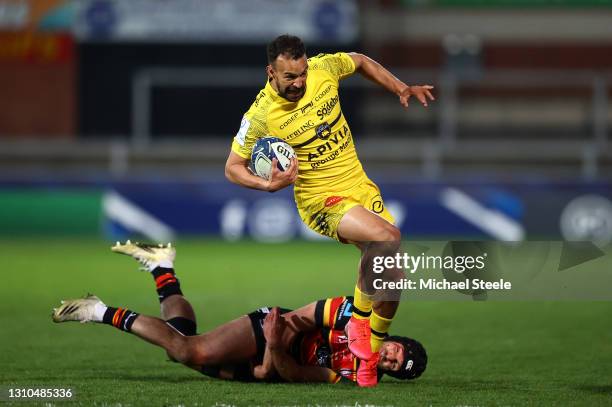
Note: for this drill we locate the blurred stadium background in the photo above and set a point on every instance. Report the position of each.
(116, 117)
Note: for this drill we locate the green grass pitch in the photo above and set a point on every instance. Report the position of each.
(480, 353)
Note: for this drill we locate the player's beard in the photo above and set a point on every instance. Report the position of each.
(293, 94)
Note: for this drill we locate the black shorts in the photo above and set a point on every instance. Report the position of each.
(257, 319)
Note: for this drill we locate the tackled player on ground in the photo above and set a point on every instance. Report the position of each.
(305, 345)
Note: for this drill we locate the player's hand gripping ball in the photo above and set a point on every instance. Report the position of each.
(265, 150)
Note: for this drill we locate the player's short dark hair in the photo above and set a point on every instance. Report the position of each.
(415, 358)
(286, 45)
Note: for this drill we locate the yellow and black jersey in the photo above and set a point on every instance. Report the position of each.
(314, 126)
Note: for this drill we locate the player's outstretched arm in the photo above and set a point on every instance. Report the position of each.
(380, 75)
(237, 171)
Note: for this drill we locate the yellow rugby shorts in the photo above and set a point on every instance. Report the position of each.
(322, 213)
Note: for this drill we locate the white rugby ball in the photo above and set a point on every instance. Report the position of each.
(266, 149)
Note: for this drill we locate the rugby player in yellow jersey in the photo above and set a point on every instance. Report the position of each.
(300, 104)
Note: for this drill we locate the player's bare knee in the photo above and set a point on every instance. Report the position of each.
(386, 232)
(196, 354)
(387, 245)
(171, 356)
(387, 239)
(393, 234)
(181, 350)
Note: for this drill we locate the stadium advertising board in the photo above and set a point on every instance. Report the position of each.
(497, 211)
(220, 21)
(474, 210)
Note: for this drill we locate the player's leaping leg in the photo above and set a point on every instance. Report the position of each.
(370, 321)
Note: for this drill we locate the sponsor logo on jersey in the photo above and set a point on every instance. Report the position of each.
(340, 139)
(289, 120)
(323, 93)
(331, 201)
(303, 128)
(328, 107)
(307, 107)
(323, 131)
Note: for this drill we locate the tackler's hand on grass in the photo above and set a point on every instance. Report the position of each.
(281, 179)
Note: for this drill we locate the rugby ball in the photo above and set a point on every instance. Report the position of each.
(265, 150)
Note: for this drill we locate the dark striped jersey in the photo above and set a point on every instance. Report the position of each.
(328, 345)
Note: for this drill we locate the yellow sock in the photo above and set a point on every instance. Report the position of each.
(379, 326)
(362, 304)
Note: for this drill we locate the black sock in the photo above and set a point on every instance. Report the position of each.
(166, 282)
(120, 318)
